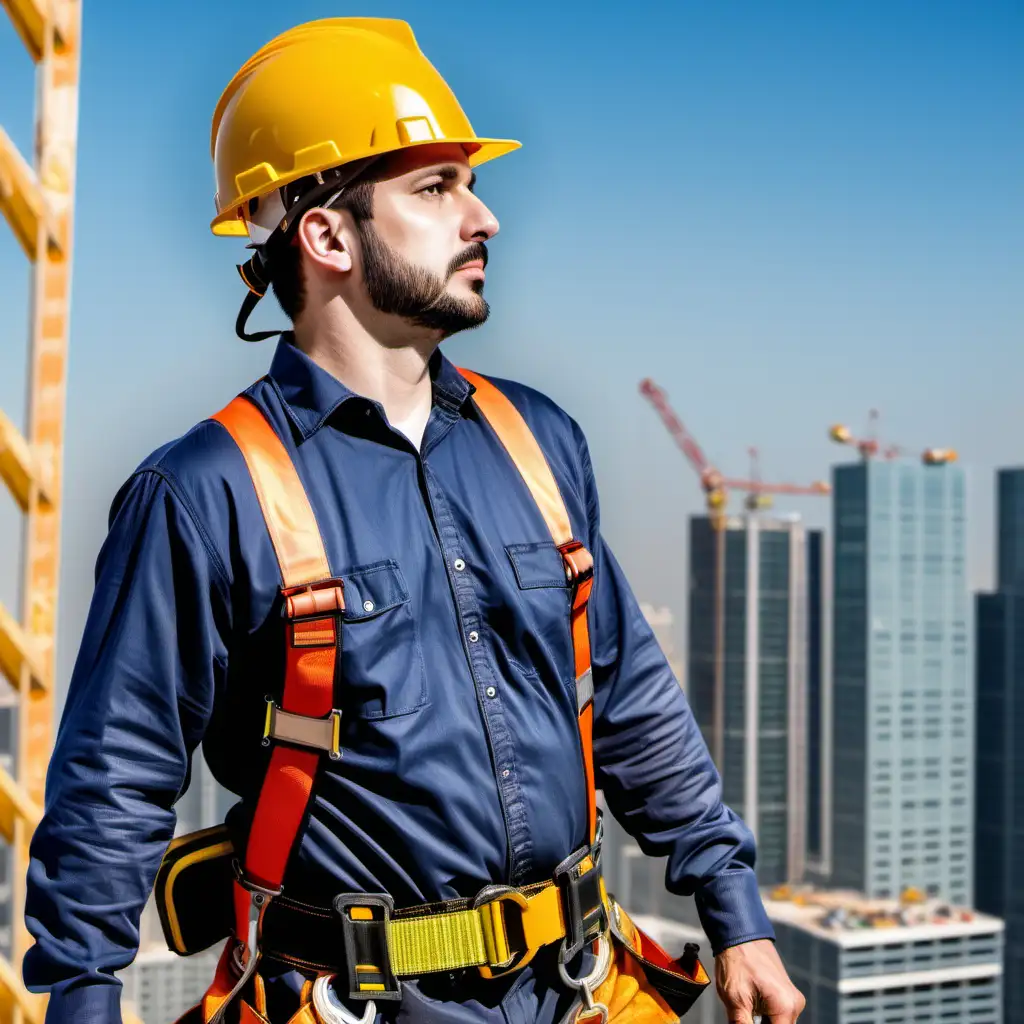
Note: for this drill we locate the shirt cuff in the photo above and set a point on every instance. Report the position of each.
(84, 1001)
(731, 910)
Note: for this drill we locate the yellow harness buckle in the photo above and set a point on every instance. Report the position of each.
(504, 952)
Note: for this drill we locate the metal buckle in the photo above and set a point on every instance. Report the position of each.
(504, 937)
(322, 734)
(331, 1010)
(246, 955)
(364, 919)
(583, 909)
(591, 1008)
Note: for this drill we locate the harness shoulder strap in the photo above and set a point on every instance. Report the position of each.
(518, 440)
(305, 718)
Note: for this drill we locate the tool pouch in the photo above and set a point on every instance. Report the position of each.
(194, 890)
(645, 983)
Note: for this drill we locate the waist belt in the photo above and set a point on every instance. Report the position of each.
(364, 938)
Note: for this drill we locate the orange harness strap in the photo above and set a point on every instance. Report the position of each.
(525, 452)
(314, 603)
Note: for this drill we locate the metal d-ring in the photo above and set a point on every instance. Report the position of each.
(331, 1010)
(585, 986)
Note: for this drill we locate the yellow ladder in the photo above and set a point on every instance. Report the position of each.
(37, 202)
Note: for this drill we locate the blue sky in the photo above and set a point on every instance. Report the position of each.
(787, 213)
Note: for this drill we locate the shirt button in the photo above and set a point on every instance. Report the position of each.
(491, 691)
(505, 774)
(459, 565)
(367, 606)
(474, 636)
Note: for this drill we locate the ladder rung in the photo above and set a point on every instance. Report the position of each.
(15, 803)
(30, 22)
(16, 653)
(17, 467)
(21, 199)
(13, 992)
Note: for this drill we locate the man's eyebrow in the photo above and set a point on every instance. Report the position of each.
(451, 172)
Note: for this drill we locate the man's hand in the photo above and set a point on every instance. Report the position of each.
(751, 980)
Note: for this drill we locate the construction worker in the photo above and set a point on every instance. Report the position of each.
(374, 587)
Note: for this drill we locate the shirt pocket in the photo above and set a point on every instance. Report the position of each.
(383, 674)
(544, 633)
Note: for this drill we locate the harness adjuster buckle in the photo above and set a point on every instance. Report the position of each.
(364, 921)
(322, 734)
(578, 878)
(313, 600)
(504, 935)
(578, 562)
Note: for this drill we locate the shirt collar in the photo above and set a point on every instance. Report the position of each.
(311, 395)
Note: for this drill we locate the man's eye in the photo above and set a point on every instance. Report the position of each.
(434, 190)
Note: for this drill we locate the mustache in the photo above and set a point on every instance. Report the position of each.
(476, 251)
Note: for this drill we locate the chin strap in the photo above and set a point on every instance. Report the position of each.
(255, 272)
(320, 189)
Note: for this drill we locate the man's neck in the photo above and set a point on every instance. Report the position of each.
(396, 375)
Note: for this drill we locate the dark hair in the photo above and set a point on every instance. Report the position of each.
(288, 279)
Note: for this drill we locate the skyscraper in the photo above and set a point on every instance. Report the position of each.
(999, 789)
(902, 722)
(753, 713)
(819, 703)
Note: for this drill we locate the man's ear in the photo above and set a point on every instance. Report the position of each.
(321, 233)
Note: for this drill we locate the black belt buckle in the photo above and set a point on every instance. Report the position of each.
(364, 919)
(586, 917)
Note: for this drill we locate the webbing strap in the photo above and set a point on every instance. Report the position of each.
(522, 447)
(311, 644)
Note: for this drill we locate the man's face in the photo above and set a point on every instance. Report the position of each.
(423, 250)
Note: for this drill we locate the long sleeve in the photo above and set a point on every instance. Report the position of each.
(653, 763)
(152, 656)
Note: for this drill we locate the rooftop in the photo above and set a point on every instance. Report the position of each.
(851, 919)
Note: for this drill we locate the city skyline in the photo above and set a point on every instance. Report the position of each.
(830, 223)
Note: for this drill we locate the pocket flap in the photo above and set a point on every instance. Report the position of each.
(372, 589)
(537, 565)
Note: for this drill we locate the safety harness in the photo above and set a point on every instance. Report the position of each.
(502, 928)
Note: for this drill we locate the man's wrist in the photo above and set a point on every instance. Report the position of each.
(731, 910)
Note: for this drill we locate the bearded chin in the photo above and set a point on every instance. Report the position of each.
(400, 288)
(451, 314)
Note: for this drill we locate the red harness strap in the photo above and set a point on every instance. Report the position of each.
(314, 603)
(525, 452)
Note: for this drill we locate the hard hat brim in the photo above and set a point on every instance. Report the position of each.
(229, 223)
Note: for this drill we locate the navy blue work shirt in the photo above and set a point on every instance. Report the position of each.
(461, 763)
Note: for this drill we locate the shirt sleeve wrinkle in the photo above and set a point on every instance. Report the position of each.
(151, 662)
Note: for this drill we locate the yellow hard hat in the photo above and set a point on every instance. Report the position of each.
(324, 94)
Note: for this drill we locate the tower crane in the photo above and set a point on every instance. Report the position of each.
(869, 447)
(716, 490)
(716, 486)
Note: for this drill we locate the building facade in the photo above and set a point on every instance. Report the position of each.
(902, 710)
(160, 985)
(999, 785)
(861, 961)
(819, 703)
(753, 712)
